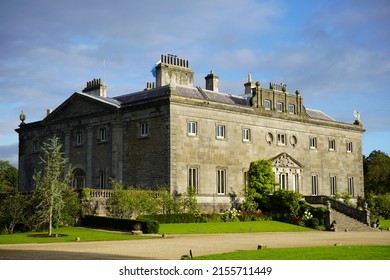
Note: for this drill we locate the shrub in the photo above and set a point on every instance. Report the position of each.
(313, 223)
(147, 226)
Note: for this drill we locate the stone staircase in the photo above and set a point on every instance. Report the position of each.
(346, 223)
(346, 217)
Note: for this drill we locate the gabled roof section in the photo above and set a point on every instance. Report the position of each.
(81, 104)
(285, 160)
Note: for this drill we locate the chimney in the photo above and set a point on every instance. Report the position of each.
(212, 81)
(173, 71)
(96, 87)
(249, 86)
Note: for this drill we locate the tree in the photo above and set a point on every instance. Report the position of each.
(12, 211)
(261, 178)
(8, 177)
(376, 173)
(51, 183)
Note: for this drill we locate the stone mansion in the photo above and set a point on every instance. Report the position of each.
(175, 134)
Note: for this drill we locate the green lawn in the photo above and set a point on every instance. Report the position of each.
(308, 253)
(71, 232)
(384, 223)
(230, 227)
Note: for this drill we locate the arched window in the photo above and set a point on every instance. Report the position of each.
(79, 178)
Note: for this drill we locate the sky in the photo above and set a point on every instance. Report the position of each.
(336, 53)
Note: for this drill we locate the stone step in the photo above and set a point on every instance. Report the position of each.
(346, 223)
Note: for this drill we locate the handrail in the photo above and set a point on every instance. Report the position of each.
(97, 193)
(360, 215)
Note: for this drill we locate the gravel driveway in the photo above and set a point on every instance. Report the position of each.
(174, 246)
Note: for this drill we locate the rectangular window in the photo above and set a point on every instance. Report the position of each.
(279, 106)
(246, 135)
(267, 104)
(314, 184)
(221, 181)
(349, 147)
(144, 129)
(332, 145)
(221, 132)
(102, 134)
(193, 176)
(102, 179)
(291, 108)
(295, 186)
(313, 142)
(246, 180)
(35, 146)
(192, 128)
(79, 138)
(333, 185)
(351, 187)
(283, 180)
(282, 139)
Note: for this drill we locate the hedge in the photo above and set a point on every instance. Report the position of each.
(171, 218)
(147, 225)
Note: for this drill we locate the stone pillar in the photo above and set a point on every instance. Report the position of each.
(89, 167)
(117, 151)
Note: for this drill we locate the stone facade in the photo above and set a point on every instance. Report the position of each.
(177, 135)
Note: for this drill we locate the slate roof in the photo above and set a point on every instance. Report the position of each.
(316, 114)
(186, 92)
(200, 94)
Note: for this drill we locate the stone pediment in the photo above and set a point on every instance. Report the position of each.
(81, 104)
(285, 160)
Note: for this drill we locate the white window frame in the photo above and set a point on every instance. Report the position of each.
(193, 178)
(332, 145)
(333, 184)
(221, 181)
(103, 134)
(349, 147)
(267, 104)
(314, 184)
(221, 131)
(280, 106)
(245, 176)
(144, 129)
(351, 186)
(282, 139)
(246, 135)
(283, 181)
(291, 108)
(313, 142)
(295, 186)
(79, 138)
(192, 128)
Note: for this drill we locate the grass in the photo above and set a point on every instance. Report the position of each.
(384, 223)
(230, 227)
(308, 253)
(71, 234)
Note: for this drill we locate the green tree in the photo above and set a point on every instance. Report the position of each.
(379, 204)
(377, 173)
(51, 184)
(12, 211)
(261, 178)
(8, 177)
(190, 201)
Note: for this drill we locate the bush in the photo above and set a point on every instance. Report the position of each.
(171, 218)
(313, 223)
(147, 226)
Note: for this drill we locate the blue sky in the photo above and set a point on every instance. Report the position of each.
(337, 53)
